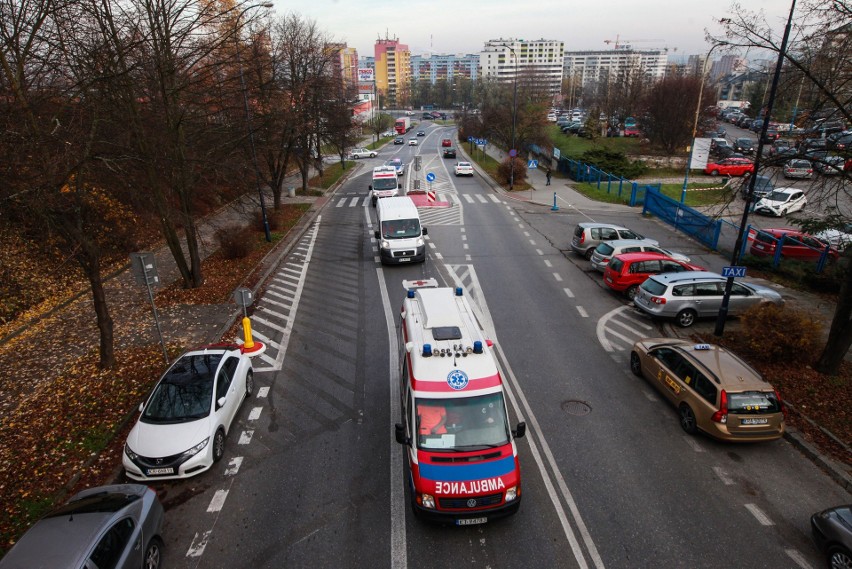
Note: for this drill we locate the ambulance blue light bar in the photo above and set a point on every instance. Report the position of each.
(477, 347)
(427, 350)
(459, 291)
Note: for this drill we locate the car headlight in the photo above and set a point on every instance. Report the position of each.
(385, 244)
(129, 452)
(511, 493)
(195, 450)
(420, 242)
(427, 501)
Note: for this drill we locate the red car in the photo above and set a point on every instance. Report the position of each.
(446, 142)
(730, 167)
(627, 271)
(632, 131)
(804, 248)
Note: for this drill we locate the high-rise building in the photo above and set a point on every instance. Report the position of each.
(345, 63)
(539, 60)
(727, 65)
(433, 67)
(588, 67)
(393, 69)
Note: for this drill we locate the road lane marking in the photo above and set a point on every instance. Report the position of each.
(263, 392)
(218, 501)
(199, 542)
(254, 415)
(798, 558)
(582, 312)
(693, 443)
(758, 513)
(568, 292)
(234, 466)
(547, 263)
(245, 437)
(723, 476)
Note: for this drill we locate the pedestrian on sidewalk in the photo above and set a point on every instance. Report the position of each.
(547, 175)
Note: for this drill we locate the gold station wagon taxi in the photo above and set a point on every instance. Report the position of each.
(713, 390)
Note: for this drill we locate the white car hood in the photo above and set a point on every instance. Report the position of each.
(769, 204)
(155, 440)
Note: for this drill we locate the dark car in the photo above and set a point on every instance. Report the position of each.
(421, 133)
(106, 526)
(744, 145)
(399, 140)
(449, 152)
(841, 143)
(426, 116)
(832, 533)
(780, 145)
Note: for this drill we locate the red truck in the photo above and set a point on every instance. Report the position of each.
(402, 125)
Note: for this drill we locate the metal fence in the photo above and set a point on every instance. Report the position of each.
(683, 218)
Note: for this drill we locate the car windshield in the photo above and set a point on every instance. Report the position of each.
(605, 249)
(462, 424)
(753, 402)
(778, 197)
(186, 391)
(401, 228)
(653, 287)
(380, 184)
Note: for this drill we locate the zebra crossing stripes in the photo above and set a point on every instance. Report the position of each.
(618, 329)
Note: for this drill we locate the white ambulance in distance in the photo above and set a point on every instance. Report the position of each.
(462, 458)
(385, 183)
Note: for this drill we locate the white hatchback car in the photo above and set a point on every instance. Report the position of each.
(463, 169)
(781, 201)
(412, 142)
(181, 431)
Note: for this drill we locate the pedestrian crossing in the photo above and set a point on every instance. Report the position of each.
(451, 215)
(620, 328)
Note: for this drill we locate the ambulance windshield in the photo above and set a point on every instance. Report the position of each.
(385, 183)
(462, 424)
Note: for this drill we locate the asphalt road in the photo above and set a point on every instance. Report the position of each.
(312, 476)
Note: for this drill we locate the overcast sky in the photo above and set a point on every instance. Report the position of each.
(462, 26)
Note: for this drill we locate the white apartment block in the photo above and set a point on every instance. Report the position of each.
(506, 59)
(592, 66)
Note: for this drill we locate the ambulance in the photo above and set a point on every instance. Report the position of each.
(385, 183)
(462, 459)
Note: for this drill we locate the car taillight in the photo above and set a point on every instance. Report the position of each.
(582, 237)
(658, 299)
(780, 403)
(721, 416)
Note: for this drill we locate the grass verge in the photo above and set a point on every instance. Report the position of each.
(330, 175)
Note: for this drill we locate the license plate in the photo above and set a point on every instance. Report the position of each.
(404, 259)
(754, 421)
(160, 471)
(609, 280)
(471, 521)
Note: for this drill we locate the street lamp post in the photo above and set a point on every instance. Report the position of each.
(248, 123)
(514, 119)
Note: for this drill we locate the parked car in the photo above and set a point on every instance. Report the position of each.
(688, 296)
(399, 140)
(397, 164)
(797, 245)
(781, 202)
(841, 142)
(730, 167)
(839, 238)
(809, 144)
(756, 125)
(714, 391)
(718, 144)
(797, 168)
(763, 186)
(771, 134)
(449, 152)
(830, 165)
(606, 250)
(744, 145)
(832, 533)
(388, 134)
(357, 153)
(463, 169)
(632, 131)
(627, 271)
(116, 526)
(182, 426)
(780, 144)
(588, 235)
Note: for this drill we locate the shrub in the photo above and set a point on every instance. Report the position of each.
(775, 334)
(504, 170)
(235, 242)
(614, 162)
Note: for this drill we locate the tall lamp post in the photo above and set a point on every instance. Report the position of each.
(695, 122)
(248, 122)
(514, 120)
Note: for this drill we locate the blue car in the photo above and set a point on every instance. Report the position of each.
(396, 163)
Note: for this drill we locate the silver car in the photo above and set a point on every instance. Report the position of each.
(107, 526)
(605, 251)
(697, 294)
(587, 236)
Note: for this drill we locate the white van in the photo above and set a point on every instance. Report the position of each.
(400, 234)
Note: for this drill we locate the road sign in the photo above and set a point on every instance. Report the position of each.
(470, 139)
(733, 272)
(243, 297)
(513, 153)
(430, 196)
(143, 266)
(430, 177)
(532, 164)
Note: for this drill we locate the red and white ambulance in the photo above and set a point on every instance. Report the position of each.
(462, 458)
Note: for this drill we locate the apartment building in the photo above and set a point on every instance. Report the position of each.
(539, 60)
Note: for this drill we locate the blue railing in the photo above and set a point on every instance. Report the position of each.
(820, 254)
(683, 218)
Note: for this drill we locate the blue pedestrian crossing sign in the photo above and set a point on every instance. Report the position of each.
(532, 164)
(430, 177)
(733, 272)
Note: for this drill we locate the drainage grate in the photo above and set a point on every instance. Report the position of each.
(575, 407)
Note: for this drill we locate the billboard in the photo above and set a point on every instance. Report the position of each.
(365, 75)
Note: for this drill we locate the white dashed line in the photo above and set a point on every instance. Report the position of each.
(432, 245)
(234, 466)
(798, 558)
(558, 277)
(650, 396)
(465, 246)
(532, 242)
(218, 501)
(438, 256)
(521, 225)
(254, 415)
(568, 292)
(245, 437)
(693, 444)
(468, 258)
(547, 263)
(263, 392)
(723, 476)
(199, 542)
(526, 233)
(494, 198)
(539, 251)
(464, 237)
(582, 312)
(758, 513)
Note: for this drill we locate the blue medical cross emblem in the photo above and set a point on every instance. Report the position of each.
(457, 379)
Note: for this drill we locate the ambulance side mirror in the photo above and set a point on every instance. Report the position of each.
(370, 187)
(399, 186)
(425, 231)
(399, 431)
(520, 431)
(376, 234)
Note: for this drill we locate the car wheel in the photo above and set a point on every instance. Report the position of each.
(372, 155)
(635, 364)
(355, 157)
(153, 554)
(714, 173)
(249, 383)
(374, 203)
(685, 318)
(687, 419)
(839, 557)
(588, 254)
(631, 291)
(218, 445)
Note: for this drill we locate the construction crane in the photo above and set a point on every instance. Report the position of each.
(621, 42)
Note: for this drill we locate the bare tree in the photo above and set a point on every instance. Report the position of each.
(670, 106)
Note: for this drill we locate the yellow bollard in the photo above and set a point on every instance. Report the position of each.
(249, 343)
